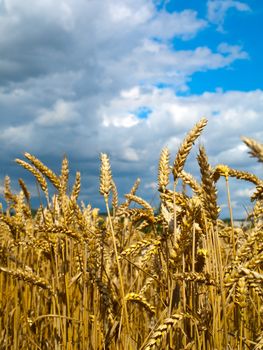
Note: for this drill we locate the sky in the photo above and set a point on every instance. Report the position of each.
(127, 78)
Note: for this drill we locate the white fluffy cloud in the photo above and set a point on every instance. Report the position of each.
(168, 25)
(62, 113)
(217, 10)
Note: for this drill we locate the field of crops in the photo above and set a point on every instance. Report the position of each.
(134, 279)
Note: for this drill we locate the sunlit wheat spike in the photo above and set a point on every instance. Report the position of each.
(24, 189)
(221, 170)
(53, 178)
(257, 212)
(244, 175)
(164, 169)
(40, 178)
(64, 176)
(152, 250)
(76, 187)
(124, 206)
(226, 171)
(191, 181)
(258, 194)
(140, 201)
(135, 186)
(167, 215)
(105, 176)
(140, 300)
(186, 147)
(115, 200)
(161, 332)
(256, 148)
(137, 247)
(9, 196)
(209, 189)
(148, 284)
(27, 276)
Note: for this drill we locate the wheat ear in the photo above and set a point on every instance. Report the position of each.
(161, 332)
(209, 189)
(64, 177)
(256, 148)
(105, 176)
(28, 277)
(53, 178)
(76, 187)
(40, 178)
(186, 147)
(164, 169)
(141, 300)
(7, 190)
(226, 171)
(24, 189)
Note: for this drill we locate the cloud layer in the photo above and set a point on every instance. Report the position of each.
(75, 77)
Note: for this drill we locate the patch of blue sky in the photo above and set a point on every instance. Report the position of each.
(160, 4)
(238, 29)
(143, 112)
(180, 5)
(244, 75)
(161, 85)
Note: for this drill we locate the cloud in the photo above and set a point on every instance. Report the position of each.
(217, 10)
(86, 37)
(169, 25)
(130, 154)
(61, 113)
(230, 115)
(244, 193)
(17, 135)
(76, 75)
(134, 150)
(124, 121)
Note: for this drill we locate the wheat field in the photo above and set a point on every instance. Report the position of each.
(179, 278)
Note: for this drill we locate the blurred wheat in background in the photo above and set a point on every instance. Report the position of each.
(179, 278)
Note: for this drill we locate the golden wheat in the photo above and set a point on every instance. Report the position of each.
(134, 279)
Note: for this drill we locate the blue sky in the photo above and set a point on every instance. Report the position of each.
(127, 78)
(239, 28)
